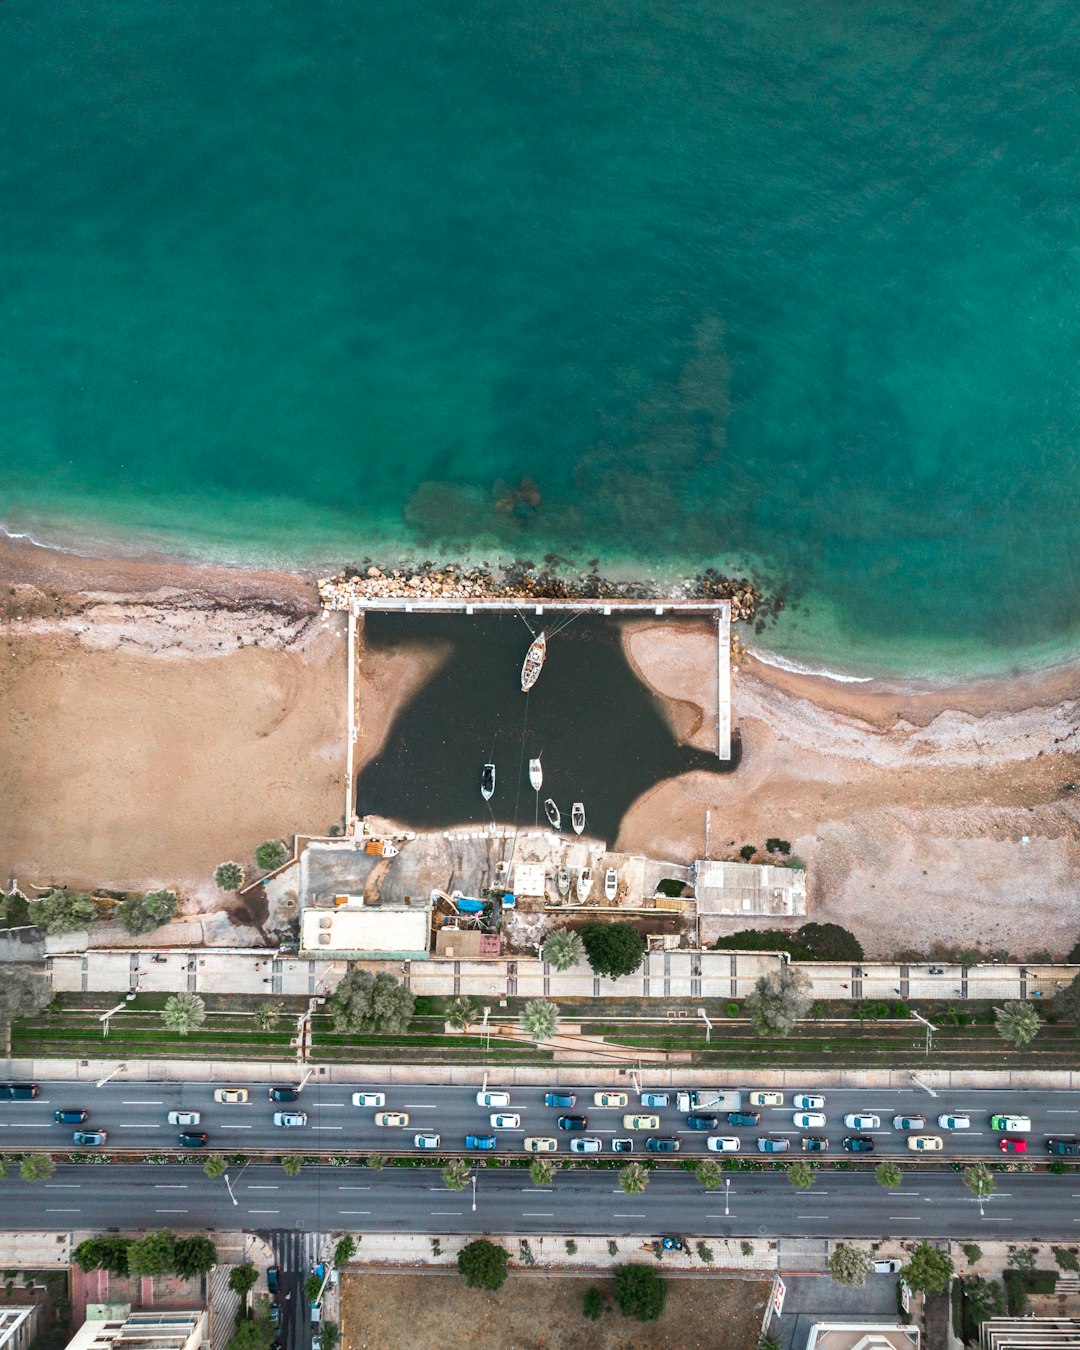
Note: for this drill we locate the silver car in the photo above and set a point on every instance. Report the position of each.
(290, 1120)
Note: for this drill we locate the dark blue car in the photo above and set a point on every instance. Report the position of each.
(702, 1122)
(480, 1141)
(744, 1117)
(566, 1100)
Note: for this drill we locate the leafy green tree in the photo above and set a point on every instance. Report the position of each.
(255, 1334)
(889, 1175)
(270, 855)
(778, 1000)
(1067, 1002)
(103, 1253)
(292, 1165)
(243, 1278)
(215, 1167)
(640, 1292)
(154, 1254)
(982, 1299)
(563, 949)
(184, 1013)
(329, 1335)
(194, 1256)
(593, 1308)
(633, 1178)
(972, 1251)
(1017, 1022)
(228, 876)
(613, 949)
(462, 1012)
(830, 942)
(63, 912)
(313, 1287)
(539, 1018)
(266, 1016)
(849, 1265)
(801, 1175)
(541, 1172)
(143, 913)
(345, 1250)
(980, 1181)
(709, 1172)
(376, 1162)
(36, 1167)
(1066, 1259)
(456, 1174)
(483, 1264)
(1023, 1259)
(372, 1004)
(928, 1270)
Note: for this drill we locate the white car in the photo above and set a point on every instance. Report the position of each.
(493, 1099)
(925, 1143)
(392, 1119)
(954, 1122)
(585, 1144)
(887, 1266)
(290, 1120)
(766, 1099)
(231, 1096)
(426, 1140)
(610, 1099)
(803, 1101)
(184, 1117)
(540, 1144)
(722, 1143)
(509, 1121)
(808, 1120)
(859, 1122)
(369, 1099)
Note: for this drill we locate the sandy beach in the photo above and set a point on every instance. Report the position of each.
(161, 716)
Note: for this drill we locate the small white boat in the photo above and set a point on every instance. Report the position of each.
(611, 884)
(584, 884)
(563, 882)
(534, 662)
(552, 813)
(487, 782)
(577, 817)
(536, 775)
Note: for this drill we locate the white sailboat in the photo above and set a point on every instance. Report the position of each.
(533, 664)
(487, 782)
(577, 817)
(611, 884)
(584, 884)
(536, 775)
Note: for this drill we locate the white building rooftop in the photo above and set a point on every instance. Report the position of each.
(357, 930)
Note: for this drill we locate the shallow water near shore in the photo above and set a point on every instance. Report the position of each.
(729, 285)
(599, 732)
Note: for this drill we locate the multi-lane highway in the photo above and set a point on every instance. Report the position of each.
(330, 1199)
(135, 1116)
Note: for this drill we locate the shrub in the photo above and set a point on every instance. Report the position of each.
(732, 1009)
(747, 852)
(483, 1264)
(563, 949)
(63, 912)
(706, 1253)
(640, 1292)
(1016, 1299)
(144, 913)
(747, 1248)
(1066, 1260)
(671, 886)
(972, 1251)
(900, 1009)
(777, 846)
(593, 1308)
(270, 855)
(613, 949)
(243, 1278)
(228, 876)
(571, 1247)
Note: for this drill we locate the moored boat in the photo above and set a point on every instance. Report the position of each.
(380, 848)
(536, 775)
(552, 813)
(487, 782)
(611, 884)
(562, 881)
(584, 884)
(533, 664)
(577, 817)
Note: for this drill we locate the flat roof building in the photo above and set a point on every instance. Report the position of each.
(731, 890)
(18, 1327)
(356, 931)
(167, 1329)
(862, 1336)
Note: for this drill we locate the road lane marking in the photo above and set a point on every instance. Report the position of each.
(354, 1211)
(124, 1126)
(538, 1214)
(1061, 1111)
(446, 1213)
(237, 1127)
(170, 1211)
(368, 1188)
(419, 1106)
(329, 1106)
(903, 1216)
(264, 1211)
(142, 1103)
(63, 1211)
(326, 1127)
(170, 1185)
(63, 1186)
(539, 1190)
(811, 1216)
(619, 1214)
(27, 1125)
(264, 1188)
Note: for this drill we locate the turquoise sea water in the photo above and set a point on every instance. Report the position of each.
(790, 288)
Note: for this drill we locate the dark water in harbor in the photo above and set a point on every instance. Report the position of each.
(599, 731)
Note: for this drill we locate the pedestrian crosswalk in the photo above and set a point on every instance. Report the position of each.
(299, 1251)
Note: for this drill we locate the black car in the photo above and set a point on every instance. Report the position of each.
(622, 1146)
(284, 1094)
(573, 1122)
(815, 1143)
(859, 1143)
(275, 1315)
(1068, 1148)
(193, 1139)
(662, 1143)
(18, 1092)
(702, 1122)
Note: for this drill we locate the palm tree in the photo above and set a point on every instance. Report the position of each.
(456, 1174)
(292, 1165)
(563, 949)
(36, 1167)
(979, 1180)
(228, 876)
(888, 1175)
(184, 1013)
(541, 1172)
(709, 1172)
(1017, 1022)
(633, 1179)
(215, 1167)
(462, 1012)
(539, 1018)
(376, 1162)
(267, 1015)
(801, 1176)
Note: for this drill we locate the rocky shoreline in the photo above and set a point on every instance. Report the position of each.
(527, 581)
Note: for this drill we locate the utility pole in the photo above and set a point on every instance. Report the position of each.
(102, 1081)
(708, 1025)
(103, 1018)
(930, 1029)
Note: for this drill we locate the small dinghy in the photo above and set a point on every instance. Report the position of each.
(584, 884)
(611, 884)
(577, 817)
(552, 813)
(563, 882)
(536, 775)
(487, 782)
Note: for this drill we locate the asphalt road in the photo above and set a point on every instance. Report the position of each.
(330, 1199)
(135, 1117)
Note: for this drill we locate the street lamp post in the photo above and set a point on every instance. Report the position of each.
(930, 1029)
(708, 1024)
(727, 1195)
(473, 1180)
(228, 1184)
(103, 1018)
(102, 1081)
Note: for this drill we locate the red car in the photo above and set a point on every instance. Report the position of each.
(1010, 1144)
